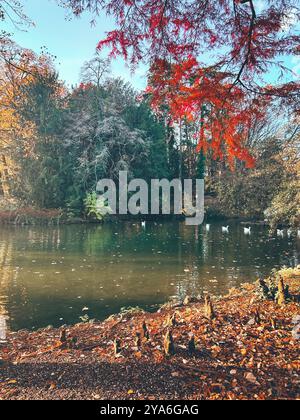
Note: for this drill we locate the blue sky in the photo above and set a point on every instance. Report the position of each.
(71, 41)
(74, 41)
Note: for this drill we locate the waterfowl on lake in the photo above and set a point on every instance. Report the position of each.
(207, 227)
(247, 231)
(225, 229)
(280, 232)
(144, 225)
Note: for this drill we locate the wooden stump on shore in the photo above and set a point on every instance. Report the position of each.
(117, 347)
(138, 340)
(171, 321)
(209, 309)
(73, 343)
(63, 337)
(145, 331)
(257, 317)
(187, 300)
(274, 323)
(281, 293)
(169, 344)
(192, 345)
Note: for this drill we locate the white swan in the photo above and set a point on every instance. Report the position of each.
(143, 225)
(225, 229)
(247, 231)
(280, 232)
(207, 227)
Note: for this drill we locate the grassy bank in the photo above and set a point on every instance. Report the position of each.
(30, 216)
(241, 346)
(14, 212)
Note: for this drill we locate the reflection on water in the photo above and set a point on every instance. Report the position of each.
(3, 329)
(53, 276)
(5, 278)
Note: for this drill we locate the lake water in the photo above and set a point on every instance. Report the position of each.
(54, 276)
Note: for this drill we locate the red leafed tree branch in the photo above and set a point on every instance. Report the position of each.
(208, 53)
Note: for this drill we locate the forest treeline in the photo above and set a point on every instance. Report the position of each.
(57, 142)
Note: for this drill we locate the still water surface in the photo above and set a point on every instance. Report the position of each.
(54, 276)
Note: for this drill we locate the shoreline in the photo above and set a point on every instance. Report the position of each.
(49, 222)
(247, 351)
(31, 216)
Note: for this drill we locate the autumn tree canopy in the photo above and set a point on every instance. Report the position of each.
(208, 79)
(208, 60)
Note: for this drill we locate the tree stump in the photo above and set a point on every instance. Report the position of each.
(264, 288)
(73, 343)
(138, 340)
(171, 322)
(63, 337)
(192, 345)
(274, 323)
(281, 293)
(257, 317)
(169, 344)
(209, 309)
(145, 330)
(117, 347)
(187, 301)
